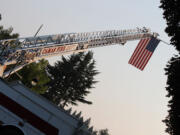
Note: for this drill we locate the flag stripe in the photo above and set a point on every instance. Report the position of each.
(143, 52)
(147, 60)
(139, 54)
(138, 51)
(140, 59)
(144, 60)
(137, 48)
(150, 48)
(144, 55)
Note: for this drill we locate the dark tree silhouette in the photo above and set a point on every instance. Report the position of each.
(103, 132)
(171, 13)
(7, 33)
(173, 87)
(71, 79)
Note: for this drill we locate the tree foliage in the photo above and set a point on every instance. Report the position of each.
(71, 78)
(33, 76)
(173, 87)
(103, 132)
(7, 33)
(171, 12)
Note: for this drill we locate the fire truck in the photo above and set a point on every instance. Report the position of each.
(23, 112)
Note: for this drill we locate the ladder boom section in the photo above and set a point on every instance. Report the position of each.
(34, 48)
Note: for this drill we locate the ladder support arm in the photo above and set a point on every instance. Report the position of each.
(31, 49)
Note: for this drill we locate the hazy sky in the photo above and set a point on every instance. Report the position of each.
(126, 101)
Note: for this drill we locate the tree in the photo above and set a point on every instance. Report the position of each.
(173, 87)
(103, 132)
(71, 79)
(172, 15)
(85, 125)
(7, 33)
(33, 76)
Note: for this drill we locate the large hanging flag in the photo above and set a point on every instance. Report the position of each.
(143, 52)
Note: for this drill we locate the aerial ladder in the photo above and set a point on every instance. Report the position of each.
(22, 51)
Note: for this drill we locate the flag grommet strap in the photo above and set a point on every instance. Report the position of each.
(143, 52)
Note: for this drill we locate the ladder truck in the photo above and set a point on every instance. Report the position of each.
(23, 112)
(22, 51)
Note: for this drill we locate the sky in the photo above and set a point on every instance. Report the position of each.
(126, 101)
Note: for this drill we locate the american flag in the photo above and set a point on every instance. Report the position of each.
(143, 52)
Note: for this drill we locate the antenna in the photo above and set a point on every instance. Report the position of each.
(38, 30)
